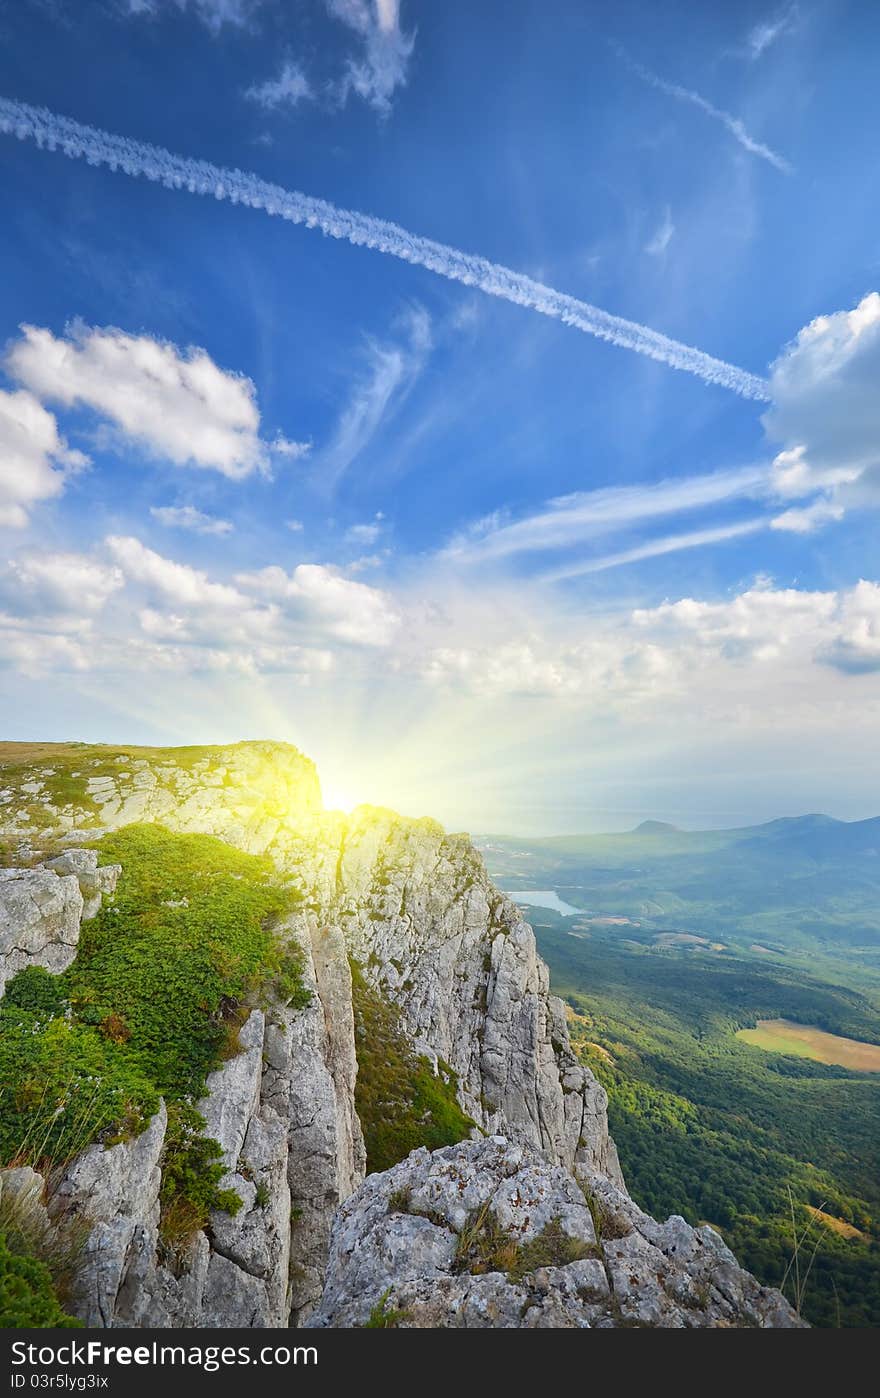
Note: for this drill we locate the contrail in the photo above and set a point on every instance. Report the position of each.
(733, 124)
(138, 159)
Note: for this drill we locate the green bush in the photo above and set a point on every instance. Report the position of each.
(37, 990)
(63, 1084)
(185, 941)
(192, 1169)
(401, 1103)
(27, 1299)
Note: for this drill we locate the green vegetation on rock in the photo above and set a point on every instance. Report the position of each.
(401, 1102)
(167, 965)
(27, 1296)
(164, 977)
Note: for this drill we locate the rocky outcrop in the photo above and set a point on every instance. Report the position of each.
(41, 910)
(489, 1235)
(421, 915)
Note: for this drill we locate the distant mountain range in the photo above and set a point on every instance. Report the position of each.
(799, 879)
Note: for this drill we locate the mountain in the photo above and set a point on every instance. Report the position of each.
(245, 1041)
(806, 882)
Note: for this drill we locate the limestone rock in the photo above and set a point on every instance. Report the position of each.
(40, 915)
(405, 1236)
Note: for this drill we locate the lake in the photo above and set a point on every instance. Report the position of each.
(543, 898)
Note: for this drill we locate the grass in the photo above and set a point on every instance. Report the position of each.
(484, 1245)
(401, 1102)
(383, 1316)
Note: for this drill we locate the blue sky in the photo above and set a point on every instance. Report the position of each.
(255, 481)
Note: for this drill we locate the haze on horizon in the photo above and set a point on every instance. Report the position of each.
(260, 483)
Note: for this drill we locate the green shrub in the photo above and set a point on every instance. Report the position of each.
(63, 1085)
(192, 1169)
(27, 1299)
(185, 941)
(401, 1103)
(37, 990)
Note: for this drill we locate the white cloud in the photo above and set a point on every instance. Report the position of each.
(324, 599)
(662, 237)
(573, 519)
(294, 525)
(855, 649)
(51, 584)
(734, 125)
(188, 517)
(364, 533)
(657, 548)
(386, 50)
(765, 33)
(293, 451)
(178, 406)
(35, 460)
(826, 411)
(392, 370)
(176, 583)
(291, 87)
(214, 13)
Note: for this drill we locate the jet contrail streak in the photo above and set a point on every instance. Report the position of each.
(138, 159)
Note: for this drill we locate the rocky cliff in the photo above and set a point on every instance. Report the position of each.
(415, 909)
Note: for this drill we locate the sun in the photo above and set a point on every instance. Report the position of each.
(339, 798)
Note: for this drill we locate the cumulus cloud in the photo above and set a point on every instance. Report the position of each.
(291, 87)
(385, 50)
(176, 405)
(51, 584)
(176, 583)
(825, 389)
(324, 599)
(855, 649)
(188, 517)
(35, 460)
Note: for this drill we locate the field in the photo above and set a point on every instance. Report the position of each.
(803, 1041)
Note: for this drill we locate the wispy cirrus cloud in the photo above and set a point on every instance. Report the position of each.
(385, 50)
(657, 548)
(766, 32)
(392, 368)
(213, 13)
(575, 519)
(189, 518)
(140, 160)
(662, 237)
(734, 125)
(291, 87)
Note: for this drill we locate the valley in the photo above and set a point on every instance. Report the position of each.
(671, 989)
